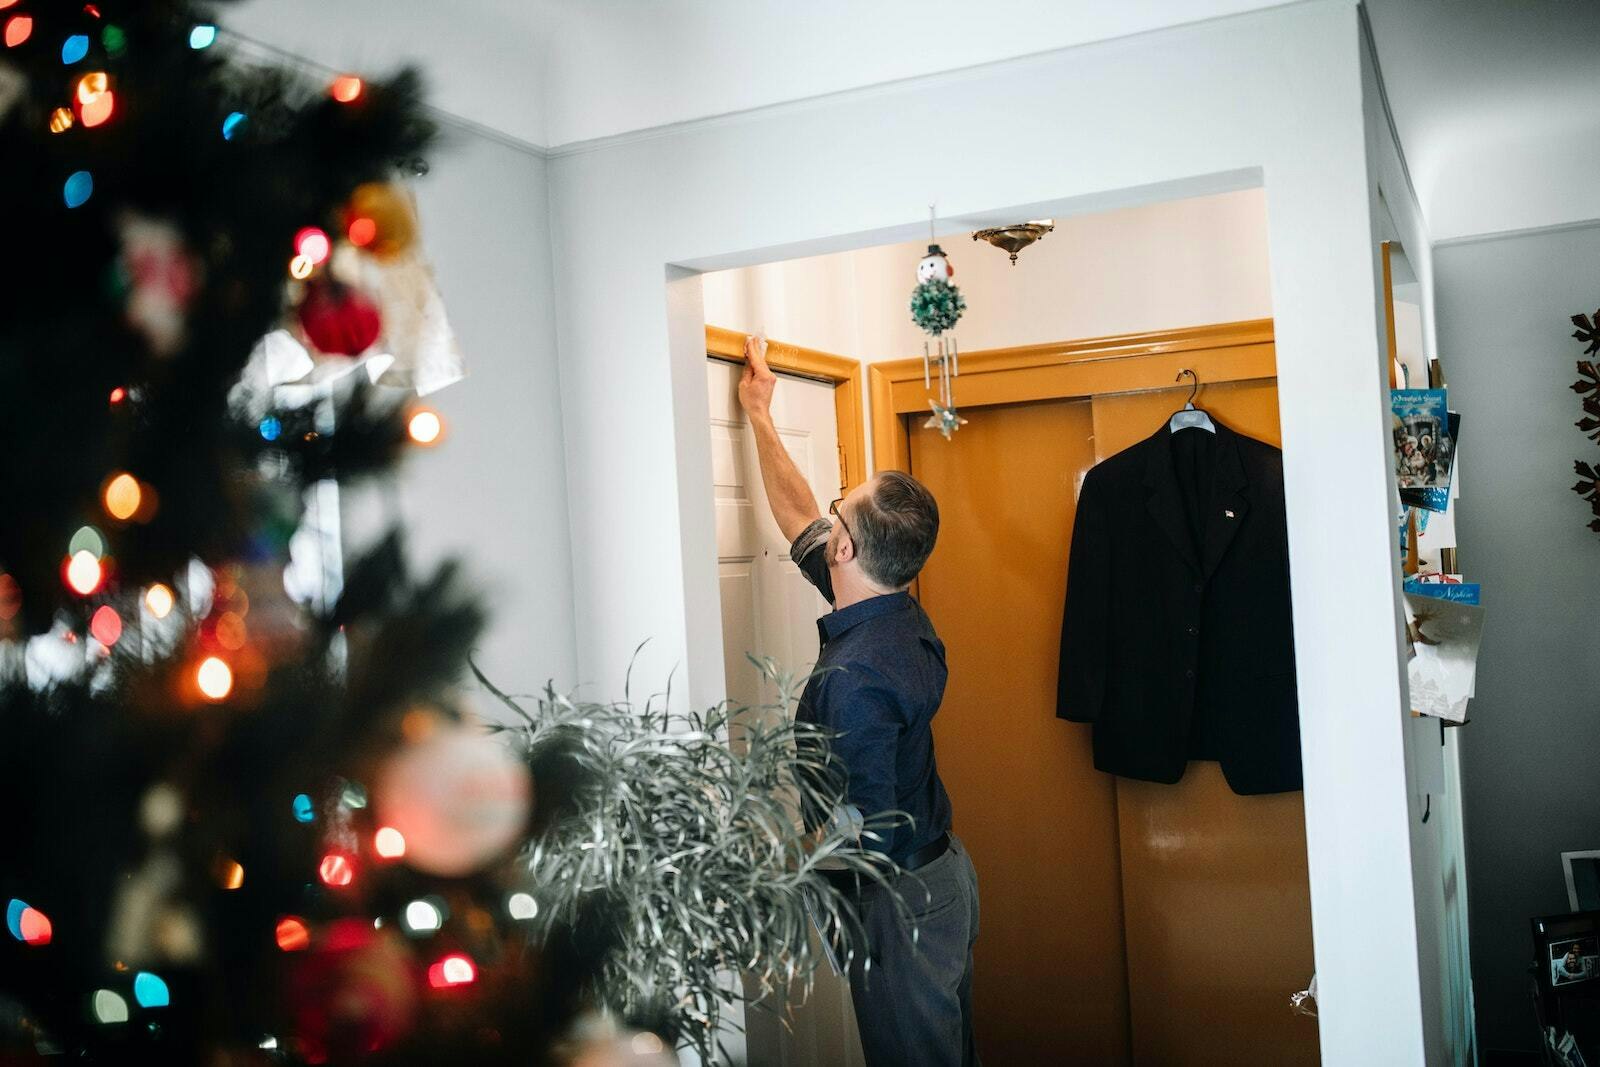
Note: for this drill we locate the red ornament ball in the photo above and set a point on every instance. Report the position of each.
(339, 319)
(352, 995)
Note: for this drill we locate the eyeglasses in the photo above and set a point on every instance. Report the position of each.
(833, 509)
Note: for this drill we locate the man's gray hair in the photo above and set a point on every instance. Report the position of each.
(895, 527)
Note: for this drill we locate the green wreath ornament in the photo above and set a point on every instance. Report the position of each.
(936, 305)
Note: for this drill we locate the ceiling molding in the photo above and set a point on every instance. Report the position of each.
(252, 49)
(1527, 231)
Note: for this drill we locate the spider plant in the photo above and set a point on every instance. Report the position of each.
(686, 854)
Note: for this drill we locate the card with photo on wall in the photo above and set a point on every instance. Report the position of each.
(1421, 429)
(1437, 497)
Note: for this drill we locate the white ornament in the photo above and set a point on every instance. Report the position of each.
(162, 280)
(420, 346)
(13, 85)
(934, 265)
(161, 810)
(459, 797)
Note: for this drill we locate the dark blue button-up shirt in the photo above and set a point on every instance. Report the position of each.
(880, 679)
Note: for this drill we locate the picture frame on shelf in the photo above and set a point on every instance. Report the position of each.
(1567, 951)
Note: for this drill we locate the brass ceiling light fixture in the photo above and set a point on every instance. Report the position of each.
(1014, 239)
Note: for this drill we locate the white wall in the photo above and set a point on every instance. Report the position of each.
(622, 65)
(1153, 267)
(1175, 113)
(494, 491)
(1508, 354)
(1433, 792)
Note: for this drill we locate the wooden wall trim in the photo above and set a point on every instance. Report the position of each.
(890, 448)
(842, 372)
(1221, 352)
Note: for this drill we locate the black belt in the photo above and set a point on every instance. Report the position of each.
(928, 853)
(850, 884)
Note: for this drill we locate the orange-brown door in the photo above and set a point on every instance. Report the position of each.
(1039, 821)
(1215, 896)
(1121, 921)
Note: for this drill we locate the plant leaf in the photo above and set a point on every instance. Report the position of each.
(1587, 332)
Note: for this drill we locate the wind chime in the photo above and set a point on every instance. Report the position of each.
(936, 306)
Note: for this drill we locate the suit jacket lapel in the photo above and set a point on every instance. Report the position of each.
(1165, 502)
(1229, 500)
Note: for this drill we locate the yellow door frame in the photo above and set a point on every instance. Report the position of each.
(1223, 352)
(842, 373)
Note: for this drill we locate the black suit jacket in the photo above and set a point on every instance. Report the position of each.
(1177, 641)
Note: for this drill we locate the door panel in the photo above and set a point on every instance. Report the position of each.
(1215, 889)
(769, 609)
(1122, 921)
(776, 608)
(1039, 821)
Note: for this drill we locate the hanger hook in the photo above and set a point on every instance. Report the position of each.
(1194, 392)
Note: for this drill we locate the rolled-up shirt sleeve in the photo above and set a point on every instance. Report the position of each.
(810, 554)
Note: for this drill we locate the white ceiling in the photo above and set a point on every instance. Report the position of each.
(1497, 101)
(556, 72)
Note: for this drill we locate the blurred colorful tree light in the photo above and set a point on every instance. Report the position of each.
(18, 29)
(150, 990)
(27, 924)
(78, 189)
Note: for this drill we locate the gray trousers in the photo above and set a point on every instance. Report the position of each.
(914, 1003)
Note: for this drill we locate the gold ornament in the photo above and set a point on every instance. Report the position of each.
(380, 219)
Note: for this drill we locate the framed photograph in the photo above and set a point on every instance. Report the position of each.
(1583, 879)
(1573, 961)
(1567, 950)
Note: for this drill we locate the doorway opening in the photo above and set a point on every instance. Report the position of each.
(1120, 918)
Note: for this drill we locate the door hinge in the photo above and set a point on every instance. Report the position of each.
(844, 474)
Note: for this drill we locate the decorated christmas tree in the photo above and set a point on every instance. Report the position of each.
(251, 813)
(248, 820)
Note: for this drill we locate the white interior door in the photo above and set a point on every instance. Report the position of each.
(769, 609)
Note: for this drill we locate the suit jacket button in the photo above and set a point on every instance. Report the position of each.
(1198, 588)
(1189, 673)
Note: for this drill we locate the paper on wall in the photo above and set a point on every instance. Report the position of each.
(1443, 669)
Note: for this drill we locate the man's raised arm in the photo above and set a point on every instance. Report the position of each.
(793, 506)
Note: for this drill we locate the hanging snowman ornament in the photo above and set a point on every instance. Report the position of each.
(934, 265)
(936, 306)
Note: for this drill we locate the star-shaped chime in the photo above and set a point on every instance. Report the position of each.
(943, 419)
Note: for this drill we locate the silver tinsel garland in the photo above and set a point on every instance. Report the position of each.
(695, 844)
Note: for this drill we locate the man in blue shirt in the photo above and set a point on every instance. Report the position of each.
(880, 679)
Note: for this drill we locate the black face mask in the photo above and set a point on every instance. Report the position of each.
(824, 579)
